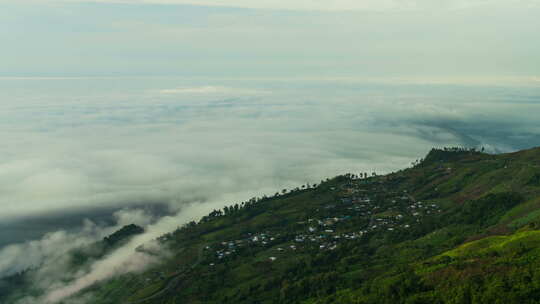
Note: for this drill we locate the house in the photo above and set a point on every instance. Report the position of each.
(329, 222)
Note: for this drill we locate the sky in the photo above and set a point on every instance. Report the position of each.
(158, 111)
(421, 41)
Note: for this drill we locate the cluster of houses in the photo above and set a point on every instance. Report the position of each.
(418, 209)
(230, 248)
(379, 208)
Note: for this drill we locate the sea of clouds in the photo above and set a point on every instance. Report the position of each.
(118, 145)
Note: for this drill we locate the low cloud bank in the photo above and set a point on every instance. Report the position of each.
(51, 265)
(51, 249)
(76, 144)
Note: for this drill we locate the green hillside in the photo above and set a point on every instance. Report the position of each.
(461, 226)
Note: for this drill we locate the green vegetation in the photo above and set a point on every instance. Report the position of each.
(460, 226)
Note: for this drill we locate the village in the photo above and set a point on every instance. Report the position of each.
(362, 209)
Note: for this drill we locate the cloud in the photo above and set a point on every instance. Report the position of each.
(222, 142)
(19, 257)
(56, 281)
(49, 252)
(122, 261)
(51, 272)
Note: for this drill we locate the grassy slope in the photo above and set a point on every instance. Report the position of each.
(481, 247)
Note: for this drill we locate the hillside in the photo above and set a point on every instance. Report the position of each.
(460, 226)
